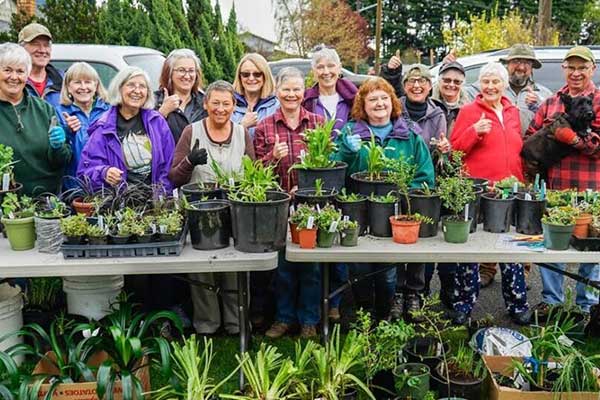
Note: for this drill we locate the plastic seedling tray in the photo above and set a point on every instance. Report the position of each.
(586, 244)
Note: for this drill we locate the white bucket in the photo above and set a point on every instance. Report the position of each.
(91, 296)
(11, 317)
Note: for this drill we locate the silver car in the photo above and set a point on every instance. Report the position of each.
(108, 59)
(303, 65)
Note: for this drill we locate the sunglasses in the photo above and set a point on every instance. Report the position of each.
(254, 74)
(448, 81)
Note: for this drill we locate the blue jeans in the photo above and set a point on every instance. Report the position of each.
(552, 283)
(379, 288)
(298, 292)
(338, 275)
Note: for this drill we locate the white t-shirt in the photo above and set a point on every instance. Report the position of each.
(330, 103)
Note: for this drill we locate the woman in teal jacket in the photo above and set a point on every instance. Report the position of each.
(377, 112)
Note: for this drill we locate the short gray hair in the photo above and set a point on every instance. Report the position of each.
(288, 73)
(220, 86)
(124, 75)
(327, 53)
(495, 69)
(13, 54)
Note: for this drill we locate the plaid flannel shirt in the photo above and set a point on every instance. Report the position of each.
(582, 168)
(264, 141)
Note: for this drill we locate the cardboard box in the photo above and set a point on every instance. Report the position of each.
(502, 365)
(86, 390)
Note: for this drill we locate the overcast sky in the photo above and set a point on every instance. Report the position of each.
(255, 16)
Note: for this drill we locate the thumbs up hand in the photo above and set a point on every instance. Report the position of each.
(197, 156)
(72, 121)
(443, 144)
(483, 126)
(280, 149)
(450, 57)
(395, 61)
(530, 96)
(170, 103)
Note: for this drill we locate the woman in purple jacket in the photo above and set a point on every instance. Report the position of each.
(131, 142)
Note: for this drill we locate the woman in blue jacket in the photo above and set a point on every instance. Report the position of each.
(82, 101)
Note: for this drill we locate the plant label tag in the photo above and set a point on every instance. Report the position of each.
(101, 221)
(346, 218)
(292, 209)
(466, 212)
(333, 226)
(318, 209)
(11, 215)
(515, 187)
(231, 182)
(5, 182)
(162, 229)
(119, 227)
(302, 154)
(48, 203)
(160, 198)
(153, 228)
(527, 196)
(310, 222)
(175, 194)
(396, 208)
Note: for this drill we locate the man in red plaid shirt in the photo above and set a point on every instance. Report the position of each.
(580, 170)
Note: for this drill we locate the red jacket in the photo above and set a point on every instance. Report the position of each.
(496, 154)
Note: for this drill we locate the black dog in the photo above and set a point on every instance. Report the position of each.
(542, 150)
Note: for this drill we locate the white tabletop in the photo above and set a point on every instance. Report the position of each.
(481, 247)
(32, 263)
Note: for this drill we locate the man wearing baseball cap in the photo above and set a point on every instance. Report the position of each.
(45, 80)
(580, 169)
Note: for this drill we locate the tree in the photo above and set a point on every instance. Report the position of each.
(71, 21)
(591, 24)
(290, 18)
(17, 21)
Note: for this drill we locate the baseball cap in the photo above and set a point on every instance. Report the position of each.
(417, 70)
(523, 51)
(453, 65)
(31, 31)
(581, 52)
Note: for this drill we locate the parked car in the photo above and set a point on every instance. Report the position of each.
(109, 59)
(303, 65)
(550, 75)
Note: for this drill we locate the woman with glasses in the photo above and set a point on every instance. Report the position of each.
(26, 125)
(254, 92)
(82, 101)
(179, 97)
(450, 93)
(131, 142)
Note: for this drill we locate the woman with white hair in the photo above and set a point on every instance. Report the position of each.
(488, 131)
(131, 142)
(332, 96)
(179, 97)
(25, 125)
(82, 102)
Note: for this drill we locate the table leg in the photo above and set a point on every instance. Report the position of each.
(325, 303)
(242, 278)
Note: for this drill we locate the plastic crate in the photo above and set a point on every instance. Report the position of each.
(586, 244)
(152, 249)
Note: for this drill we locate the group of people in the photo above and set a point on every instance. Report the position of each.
(63, 126)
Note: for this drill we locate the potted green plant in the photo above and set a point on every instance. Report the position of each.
(259, 212)
(348, 233)
(318, 195)
(463, 373)
(209, 223)
(97, 235)
(328, 219)
(426, 201)
(74, 228)
(18, 221)
(375, 179)
(583, 219)
(316, 162)
(354, 205)
(83, 196)
(558, 224)
(529, 209)
(304, 223)
(411, 380)
(7, 177)
(197, 191)
(169, 225)
(497, 210)
(456, 193)
(43, 301)
(381, 208)
(512, 184)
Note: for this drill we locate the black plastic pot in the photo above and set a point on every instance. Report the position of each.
(497, 212)
(480, 182)
(260, 227)
(98, 240)
(197, 192)
(74, 239)
(382, 385)
(209, 223)
(331, 177)
(529, 215)
(474, 209)
(469, 390)
(309, 197)
(357, 211)
(419, 380)
(417, 351)
(379, 218)
(429, 206)
(117, 239)
(363, 185)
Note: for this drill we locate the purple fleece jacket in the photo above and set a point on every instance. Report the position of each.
(346, 90)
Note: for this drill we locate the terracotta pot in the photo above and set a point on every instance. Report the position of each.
(83, 208)
(294, 233)
(404, 231)
(582, 225)
(307, 238)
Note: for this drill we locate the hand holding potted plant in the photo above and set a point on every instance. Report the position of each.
(17, 219)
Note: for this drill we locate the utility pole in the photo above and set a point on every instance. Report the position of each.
(544, 21)
(378, 35)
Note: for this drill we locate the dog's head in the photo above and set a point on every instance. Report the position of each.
(579, 112)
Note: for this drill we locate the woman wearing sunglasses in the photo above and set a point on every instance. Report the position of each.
(254, 92)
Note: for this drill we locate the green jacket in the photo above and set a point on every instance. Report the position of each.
(40, 168)
(400, 142)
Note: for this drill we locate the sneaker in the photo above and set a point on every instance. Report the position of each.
(308, 331)
(277, 330)
(412, 303)
(334, 314)
(521, 318)
(396, 310)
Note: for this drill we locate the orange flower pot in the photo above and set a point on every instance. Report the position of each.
(582, 225)
(294, 233)
(83, 208)
(404, 231)
(307, 238)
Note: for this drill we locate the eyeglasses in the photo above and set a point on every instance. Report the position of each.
(571, 69)
(255, 75)
(521, 61)
(184, 72)
(136, 86)
(411, 81)
(456, 82)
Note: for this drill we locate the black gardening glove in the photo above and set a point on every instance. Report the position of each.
(197, 156)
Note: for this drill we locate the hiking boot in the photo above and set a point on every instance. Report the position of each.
(487, 272)
(277, 330)
(334, 314)
(396, 310)
(308, 331)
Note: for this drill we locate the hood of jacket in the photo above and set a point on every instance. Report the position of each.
(344, 88)
(400, 129)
